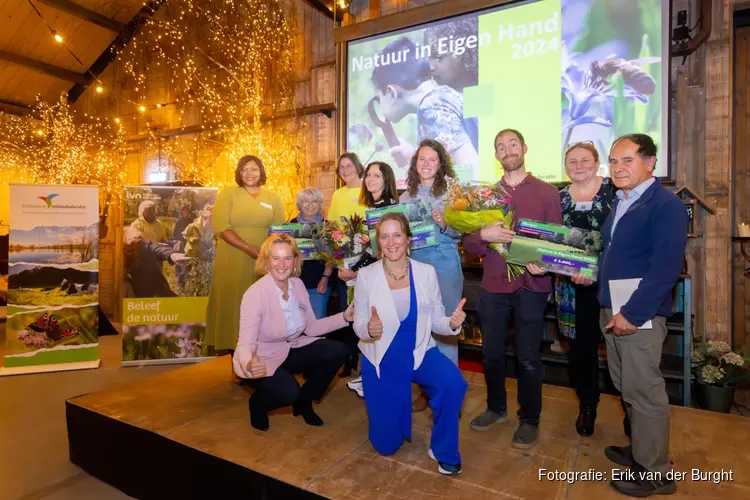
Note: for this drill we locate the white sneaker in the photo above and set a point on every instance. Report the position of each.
(443, 468)
(355, 385)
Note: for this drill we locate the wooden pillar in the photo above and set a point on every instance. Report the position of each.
(719, 172)
(374, 9)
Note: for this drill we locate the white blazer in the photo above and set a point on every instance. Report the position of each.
(372, 290)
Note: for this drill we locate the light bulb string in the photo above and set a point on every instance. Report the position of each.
(54, 32)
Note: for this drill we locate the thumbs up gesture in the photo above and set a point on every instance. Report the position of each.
(375, 326)
(459, 316)
(256, 367)
(349, 313)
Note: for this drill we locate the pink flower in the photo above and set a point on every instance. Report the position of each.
(365, 239)
(337, 235)
(486, 193)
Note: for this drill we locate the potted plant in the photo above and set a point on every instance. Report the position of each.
(717, 369)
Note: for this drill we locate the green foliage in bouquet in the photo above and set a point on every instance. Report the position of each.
(470, 207)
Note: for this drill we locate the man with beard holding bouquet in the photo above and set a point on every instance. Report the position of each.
(525, 297)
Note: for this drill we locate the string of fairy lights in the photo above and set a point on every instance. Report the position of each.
(227, 61)
(231, 64)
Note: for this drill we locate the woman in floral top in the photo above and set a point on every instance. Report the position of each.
(586, 203)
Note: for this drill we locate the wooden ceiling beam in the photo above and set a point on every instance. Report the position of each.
(87, 15)
(14, 107)
(110, 53)
(47, 69)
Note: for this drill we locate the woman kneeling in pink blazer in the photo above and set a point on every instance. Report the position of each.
(279, 336)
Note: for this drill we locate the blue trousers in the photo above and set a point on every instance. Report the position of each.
(388, 413)
(319, 302)
(447, 263)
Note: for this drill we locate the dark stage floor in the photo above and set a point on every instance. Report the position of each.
(186, 434)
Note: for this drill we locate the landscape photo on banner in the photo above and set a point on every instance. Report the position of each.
(53, 278)
(169, 249)
(559, 71)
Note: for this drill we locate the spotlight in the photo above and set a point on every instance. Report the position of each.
(58, 37)
(99, 89)
(142, 108)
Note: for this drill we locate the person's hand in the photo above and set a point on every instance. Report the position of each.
(439, 219)
(349, 313)
(580, 279)
(459, 316)
(375, 326)
(346, 274)
(497, 233)
(180, 259)
(620, 326)
(402, 153)
(535, 270)
(256, 367)
(323, 285)
(252, 251)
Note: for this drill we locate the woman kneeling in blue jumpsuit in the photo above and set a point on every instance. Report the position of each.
(397, 306)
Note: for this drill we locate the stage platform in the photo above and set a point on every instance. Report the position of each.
(186, 434)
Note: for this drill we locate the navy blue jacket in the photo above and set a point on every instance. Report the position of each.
(649, 243)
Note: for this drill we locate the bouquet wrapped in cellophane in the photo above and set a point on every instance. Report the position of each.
(471, 206)
(343, 244)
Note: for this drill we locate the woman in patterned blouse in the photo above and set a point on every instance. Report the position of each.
(586, 203)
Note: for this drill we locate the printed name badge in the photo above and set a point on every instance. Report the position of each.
(584, 206)
(266, 205)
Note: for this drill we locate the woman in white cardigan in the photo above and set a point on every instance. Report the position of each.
(397, 306)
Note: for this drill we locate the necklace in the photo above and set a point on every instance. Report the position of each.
(393, 276)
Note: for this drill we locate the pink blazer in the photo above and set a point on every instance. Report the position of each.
(262, 324)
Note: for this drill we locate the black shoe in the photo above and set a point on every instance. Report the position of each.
(585, 421)
(347, 371)
(642, 483)
(307, 412)
(621, 455)
(258, 416)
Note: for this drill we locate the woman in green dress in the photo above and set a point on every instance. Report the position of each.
(241, 218)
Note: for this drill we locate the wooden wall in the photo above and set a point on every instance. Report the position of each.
(315, 84)
(741, 186)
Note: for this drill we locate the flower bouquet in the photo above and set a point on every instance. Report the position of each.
(471, 206)
(343, 244)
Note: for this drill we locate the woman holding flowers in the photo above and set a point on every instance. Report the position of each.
(585, 204)
(397, 306)
(378, 190)
(316, 274)
(345, 204)
(430, 166)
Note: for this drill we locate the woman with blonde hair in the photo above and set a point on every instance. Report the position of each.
(585, 204)
(280, 336)
(397, 307)
(316, 275)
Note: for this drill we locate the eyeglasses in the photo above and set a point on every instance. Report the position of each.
(577, 144)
